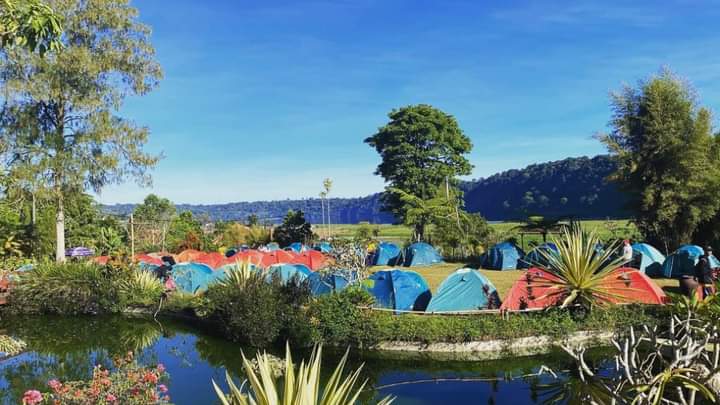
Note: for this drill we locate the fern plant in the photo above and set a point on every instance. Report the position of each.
(298, 388)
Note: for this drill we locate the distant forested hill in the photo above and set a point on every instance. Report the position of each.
(573, 187)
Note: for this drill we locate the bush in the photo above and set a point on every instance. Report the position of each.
(254, 311)
(141, 288)
(69, 289)
(337, 320)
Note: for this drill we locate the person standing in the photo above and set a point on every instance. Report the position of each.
(703, 272)
(627, 252)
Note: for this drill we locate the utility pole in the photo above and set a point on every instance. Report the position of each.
(132, 237)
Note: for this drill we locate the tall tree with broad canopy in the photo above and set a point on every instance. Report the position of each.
(60, 116)
(422, 149)
(293, 229)
(667, 158)
(31, 24)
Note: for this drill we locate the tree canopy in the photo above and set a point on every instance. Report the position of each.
(31, 24)
(60, 119)
(667, 158)
(293, 229)
(421, 149)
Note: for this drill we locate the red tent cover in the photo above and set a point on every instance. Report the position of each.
(189, 255)
(629, 285)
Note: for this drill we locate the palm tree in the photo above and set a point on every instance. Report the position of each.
(327, 184)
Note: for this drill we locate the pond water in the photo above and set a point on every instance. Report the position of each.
(68, 349)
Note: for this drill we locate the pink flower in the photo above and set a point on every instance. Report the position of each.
(54, 384)
(163, 388)
(150, 378)
(110, 398)
(160, 368)
(32, 397)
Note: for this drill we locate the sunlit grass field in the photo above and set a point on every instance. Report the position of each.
(606, 230)
(502, 280)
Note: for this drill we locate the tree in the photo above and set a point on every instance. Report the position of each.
(152, 219)
(293, 229)
(30, 24)
(542, 225)
(60, 112)
(421, 149)
(667, 158)
(185, 232)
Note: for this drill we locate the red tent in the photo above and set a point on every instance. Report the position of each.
(148, 259)
(312, 259)
(214, 260)
(629, 285)
(102, 260)
(277, 257)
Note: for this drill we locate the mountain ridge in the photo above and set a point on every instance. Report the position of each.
(572, 187)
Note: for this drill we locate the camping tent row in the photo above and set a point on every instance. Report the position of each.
(313, 259)
(646, 258)
(468, 290)
(197, 277)
(417, 254)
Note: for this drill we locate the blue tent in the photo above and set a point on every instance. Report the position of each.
(421, 254)
(464, 290)
(386, 254)
(328, 283)
(272, 246)
(192, 277)
(538, 256)
(287, 272)
(648, 259)
(682, 262)
(503, 256)
(399, 290)
(324, 247)
(297, 247)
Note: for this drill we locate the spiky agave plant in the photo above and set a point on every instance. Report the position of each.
(242, 273)
(583, 276)
(301, 388)
(142, 287)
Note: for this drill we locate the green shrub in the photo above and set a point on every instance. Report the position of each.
(336, 318)
(69, 288)
(253, 311)
(141, 288)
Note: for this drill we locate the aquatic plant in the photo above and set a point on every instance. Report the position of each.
(298, 388)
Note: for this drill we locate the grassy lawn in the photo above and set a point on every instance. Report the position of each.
(503, 280)
(400, 233)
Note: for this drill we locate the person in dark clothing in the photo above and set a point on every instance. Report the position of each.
(164, 271)
(704, 272)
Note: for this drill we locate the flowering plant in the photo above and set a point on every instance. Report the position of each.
(129, 384)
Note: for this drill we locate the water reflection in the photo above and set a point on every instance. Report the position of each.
(68, 349)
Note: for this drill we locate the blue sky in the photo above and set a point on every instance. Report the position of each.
(264, 99)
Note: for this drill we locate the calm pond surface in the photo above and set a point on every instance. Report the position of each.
(68, 348)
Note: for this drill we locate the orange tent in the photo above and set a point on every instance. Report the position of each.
(252, 256)
(189, 255)
(628, 285)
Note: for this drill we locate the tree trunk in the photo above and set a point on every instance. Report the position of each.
(327, 203)
(420, 232)
(60, 231)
